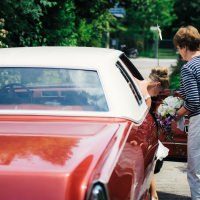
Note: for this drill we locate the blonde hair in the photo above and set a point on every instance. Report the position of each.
(188, 37)
(160, 74)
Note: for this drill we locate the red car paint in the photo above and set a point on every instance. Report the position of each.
(44, 157)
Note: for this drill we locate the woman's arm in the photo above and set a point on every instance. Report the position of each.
(181, 112)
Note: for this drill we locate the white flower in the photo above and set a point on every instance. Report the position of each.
(169, 106)
(166, 113)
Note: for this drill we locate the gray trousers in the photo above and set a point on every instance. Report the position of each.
(193, 147)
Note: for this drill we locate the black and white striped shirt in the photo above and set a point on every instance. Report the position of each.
(190, 85)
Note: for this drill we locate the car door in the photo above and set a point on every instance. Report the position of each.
(143, 138)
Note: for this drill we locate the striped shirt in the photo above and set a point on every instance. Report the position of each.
(190, 85)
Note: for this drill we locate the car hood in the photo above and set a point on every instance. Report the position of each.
(50, 160)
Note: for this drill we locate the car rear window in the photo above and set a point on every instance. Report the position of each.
(35, 88)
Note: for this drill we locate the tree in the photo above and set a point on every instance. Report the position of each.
(80, 22)
(141, 15)
(56, 22)
(59, 24)
(3, 33)
(188, 12)
(22, 20)
(92, 22)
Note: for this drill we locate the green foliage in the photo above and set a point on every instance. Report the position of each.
(141, 15)
(23, 21)
(8, 77)
(93, 22)
(3, 33)
(175, 81)
(56, 22)
(188, 12)
(87, 23)
(94, 33)
(59, 24)
(175, 75)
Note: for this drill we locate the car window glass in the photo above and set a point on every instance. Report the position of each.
(133, 70)
(130, 82)
(51, 88)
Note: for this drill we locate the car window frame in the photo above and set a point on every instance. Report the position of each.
(131, 67)
(130, 82)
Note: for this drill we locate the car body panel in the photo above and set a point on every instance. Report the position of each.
(52, 156)
(132, 173)
(52, 152)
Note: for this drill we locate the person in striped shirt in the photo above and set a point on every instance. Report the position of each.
(187, 42)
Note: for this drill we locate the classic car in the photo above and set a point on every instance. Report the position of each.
(73, 126)
(176, 141)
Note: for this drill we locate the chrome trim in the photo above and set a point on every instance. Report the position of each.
(175, 143)
(92, 188)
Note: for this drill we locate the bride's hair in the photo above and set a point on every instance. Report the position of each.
(160, 74)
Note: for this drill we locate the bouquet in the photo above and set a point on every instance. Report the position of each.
(166, 112)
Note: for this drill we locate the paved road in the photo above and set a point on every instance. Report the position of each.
(145, 65)
(172, 180)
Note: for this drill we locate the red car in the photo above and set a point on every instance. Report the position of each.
(73, 126)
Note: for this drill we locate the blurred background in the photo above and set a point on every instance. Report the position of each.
(128, 25)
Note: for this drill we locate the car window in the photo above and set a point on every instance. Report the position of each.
(130, 82)
(133, 70)
(51, 89)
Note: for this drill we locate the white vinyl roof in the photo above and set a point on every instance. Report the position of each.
(118, 94)
(57, 56)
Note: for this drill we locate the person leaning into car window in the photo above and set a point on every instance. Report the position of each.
(187, 42)
(157, 81)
